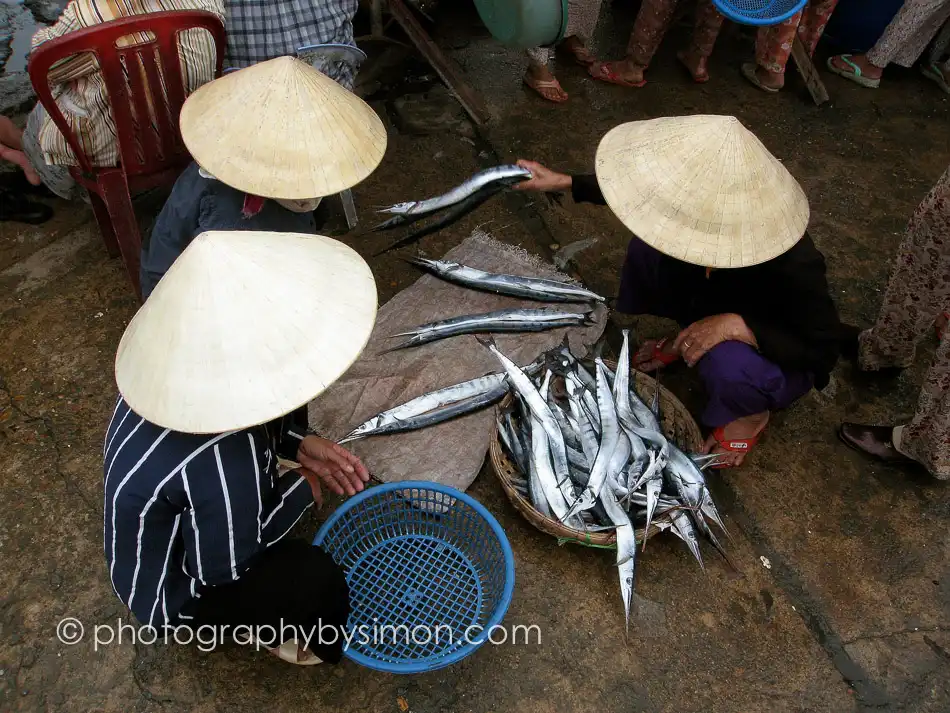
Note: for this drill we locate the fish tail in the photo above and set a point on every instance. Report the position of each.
(487, 341)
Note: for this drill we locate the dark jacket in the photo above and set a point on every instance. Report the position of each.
(197, 204)
(785, 301)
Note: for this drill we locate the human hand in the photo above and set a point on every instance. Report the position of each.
(701, 336)
(19, 158)
(325, 462)
(647, 359)
(543, 179)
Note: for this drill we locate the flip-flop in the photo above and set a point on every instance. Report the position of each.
(855, 75)
(659, 355)
(538, 84)
(733, 445)
(748, 71)
(931, 70)
(603, 71)
(287, 651)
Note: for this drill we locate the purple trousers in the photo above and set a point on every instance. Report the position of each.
(739, 381)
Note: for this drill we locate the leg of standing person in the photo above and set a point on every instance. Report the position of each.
(653, 20)
(538, 76)
(919, 287)
(903, 41)
(705, 32)
(743, 388)
(581, 22)
(936, 68)
(773, 45)
(295, 590)
(918, 291)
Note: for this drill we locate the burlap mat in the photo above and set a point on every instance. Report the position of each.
(450, 453)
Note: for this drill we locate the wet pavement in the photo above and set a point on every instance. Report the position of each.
(842, 598)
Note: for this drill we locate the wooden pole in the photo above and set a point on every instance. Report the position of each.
(807, 69)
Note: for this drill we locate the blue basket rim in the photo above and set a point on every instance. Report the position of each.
(503, 603)
(726, 8)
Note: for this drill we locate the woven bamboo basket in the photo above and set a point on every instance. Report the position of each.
(678, 425)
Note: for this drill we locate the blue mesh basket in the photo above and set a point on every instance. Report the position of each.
(430, 573)
(759, 12)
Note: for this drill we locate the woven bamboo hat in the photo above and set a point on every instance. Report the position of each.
(245, 327)
(701, 189)
(281, 129)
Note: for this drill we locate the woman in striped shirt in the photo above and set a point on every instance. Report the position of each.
(213, 371)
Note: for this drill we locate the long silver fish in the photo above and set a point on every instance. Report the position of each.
(413, 414)
(461, 192)
(508, 320)
(610, 433)
(626, 550)
(532, 288)
(683, 526)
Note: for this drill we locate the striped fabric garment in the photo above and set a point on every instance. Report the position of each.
(80, 91)
(185, 512)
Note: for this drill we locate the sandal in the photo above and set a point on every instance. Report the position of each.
(748, 71)
(659, 355)
(538, 84)
(931, 70)
(733, 445)
(855, 75)
(290, 652)
(605, 73)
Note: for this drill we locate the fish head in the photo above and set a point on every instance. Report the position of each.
(399, 208)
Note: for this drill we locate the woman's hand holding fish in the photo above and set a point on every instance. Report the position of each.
(699, 337)
(325, 462)
(543, 179)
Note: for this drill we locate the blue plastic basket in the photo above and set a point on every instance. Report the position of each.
(430, 573)
(759, 12)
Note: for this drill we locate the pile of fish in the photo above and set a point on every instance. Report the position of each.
(457, 203)
(597, 459)
(508, 320)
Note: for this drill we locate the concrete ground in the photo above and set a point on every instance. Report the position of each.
(842, 598)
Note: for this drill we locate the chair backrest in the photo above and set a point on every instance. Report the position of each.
(143, 79)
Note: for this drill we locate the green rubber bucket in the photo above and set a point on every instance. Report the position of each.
(524, 23)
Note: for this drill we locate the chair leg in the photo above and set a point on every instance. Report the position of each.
(349, 208)
(115, 194)
(105, 224)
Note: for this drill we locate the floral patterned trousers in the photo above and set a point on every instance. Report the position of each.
(918, 291)
(906, 38)
(773, 44)
(654, 20)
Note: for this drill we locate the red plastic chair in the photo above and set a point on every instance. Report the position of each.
(151, 153)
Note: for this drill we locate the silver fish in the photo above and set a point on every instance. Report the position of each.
(509, 320)
(626, 550)
(585, 430)
(532, 288)
(411, 415)
(563, 257)
(683, 527)
(459, 193)
(610, 433)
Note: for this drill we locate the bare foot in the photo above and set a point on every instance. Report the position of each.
(695, 64)
(573, 46)
(545, 84)
(745, 428)
(867, 69)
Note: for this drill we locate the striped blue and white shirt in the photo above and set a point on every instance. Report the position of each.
(184, 512)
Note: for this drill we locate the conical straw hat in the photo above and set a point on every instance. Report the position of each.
(281, 129)
(702, 189)
(245, 327)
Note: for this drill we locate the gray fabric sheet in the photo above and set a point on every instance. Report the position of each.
(450, 453)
